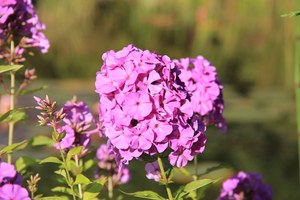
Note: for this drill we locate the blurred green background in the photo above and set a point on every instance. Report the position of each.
(249, 43)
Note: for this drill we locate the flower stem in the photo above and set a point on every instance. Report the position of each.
(12, 103)
(165, 179)
(297, 81)
(79, 185)
(196, 167)
(67, 171)
(110, 187)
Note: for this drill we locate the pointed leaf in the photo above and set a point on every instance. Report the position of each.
(24, 92)
(54, 198)
(92, 191)
(14, 147)
(62, 189)
(51, 159)
(74, 152)
(41, 140)
(7, 68)
(291, 14)
(192, 186)
(81, 179)
(145, 195)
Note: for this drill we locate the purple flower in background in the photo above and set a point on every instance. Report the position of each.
(7, 171)
(108, 165)
(19, 23)
(153, 171)
(245, 186)
(201, 80)
(13, 191)
(144, 104)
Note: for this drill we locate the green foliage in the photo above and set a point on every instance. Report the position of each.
(13, 148)
(145, 195)
(40, 140)
(51, 159)
(13, 116)
(8, 68)
(31, 91)
(73, 152)
(291, 14)
(22, 163)
(191, 187)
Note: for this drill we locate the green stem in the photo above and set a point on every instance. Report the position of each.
(165, 179)
(110, 187)
(79, 185)
(297, 80)
(12, 103)
(196, 167)
(67, 171)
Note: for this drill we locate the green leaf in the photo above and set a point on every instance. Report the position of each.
(92, 191)
(54, 198)
(41, 140)
(291, 14)
(24, 92)
(74, 152)
(145, 195)
(61, 136)
(81, 179)
(88, 164)
(192, 186)
(7, 68)
(61, 172)
(13, 116)
(62, 189)
(14, 147)
(23, 162)
(51, 159)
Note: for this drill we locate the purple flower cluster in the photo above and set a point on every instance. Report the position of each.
(78, 125)
(145, 107)
(10, 183)
(245, 186)
(201, 80)
(19, 23)
(153, 171)
(107, 166)
(75, 119)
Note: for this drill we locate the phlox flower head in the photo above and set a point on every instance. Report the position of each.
(19, 23)
(201, 80)
(245, 186)
(108, 165)
(145, 108)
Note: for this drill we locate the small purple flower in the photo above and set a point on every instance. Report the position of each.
(13, 191)
(153, 171)
(245, 186)
(7, 171)
(19, 23)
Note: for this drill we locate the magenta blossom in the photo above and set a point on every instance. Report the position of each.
(13, 191)
(201, 80)
(245, 186)
(143, 104)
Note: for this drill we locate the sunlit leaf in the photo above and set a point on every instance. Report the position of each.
(61, 189)
(51, 159)
(291, 14)
(14, 147)
(41, 140)
(24, 92)
(7, 68)
(145, 195)
(74, 152)
(92, 191)
(81, 179)
(192, 186)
